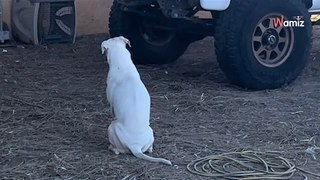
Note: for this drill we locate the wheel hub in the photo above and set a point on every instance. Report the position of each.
(271, 39)
(272, 45)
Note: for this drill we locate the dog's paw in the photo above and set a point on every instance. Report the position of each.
(150, 150)
(115, 150)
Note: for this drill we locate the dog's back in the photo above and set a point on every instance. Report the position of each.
(131, 101)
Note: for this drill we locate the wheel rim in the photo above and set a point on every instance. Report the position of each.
(272, 45)
(155, 36)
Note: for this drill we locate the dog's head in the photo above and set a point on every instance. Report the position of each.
(106, 45)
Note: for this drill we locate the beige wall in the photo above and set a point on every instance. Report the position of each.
(92, 15)
(6, 10)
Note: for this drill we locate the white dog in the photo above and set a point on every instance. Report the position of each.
(129, 102)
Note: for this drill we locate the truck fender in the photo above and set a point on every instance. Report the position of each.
(217, 5)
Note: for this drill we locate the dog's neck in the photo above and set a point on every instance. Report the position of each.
(119, 59)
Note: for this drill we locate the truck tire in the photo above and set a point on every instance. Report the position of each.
(253, 52)
(148, 46)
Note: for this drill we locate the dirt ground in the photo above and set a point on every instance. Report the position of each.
(54, 114)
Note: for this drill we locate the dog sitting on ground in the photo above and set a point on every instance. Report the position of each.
(129, 102)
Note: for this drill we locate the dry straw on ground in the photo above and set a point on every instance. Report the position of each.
(54, 115)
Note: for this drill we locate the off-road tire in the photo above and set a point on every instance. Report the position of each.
(234, 43)
(128, 25)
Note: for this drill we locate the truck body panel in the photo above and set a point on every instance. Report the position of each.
(315, 7)
(220, 5)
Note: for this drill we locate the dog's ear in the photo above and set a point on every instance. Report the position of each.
(104, 49)
(125, 40)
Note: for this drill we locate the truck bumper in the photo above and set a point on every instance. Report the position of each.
(315, 7)
(220, 5)
(217, 5)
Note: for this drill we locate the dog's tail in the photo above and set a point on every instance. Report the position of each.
(139, 154)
